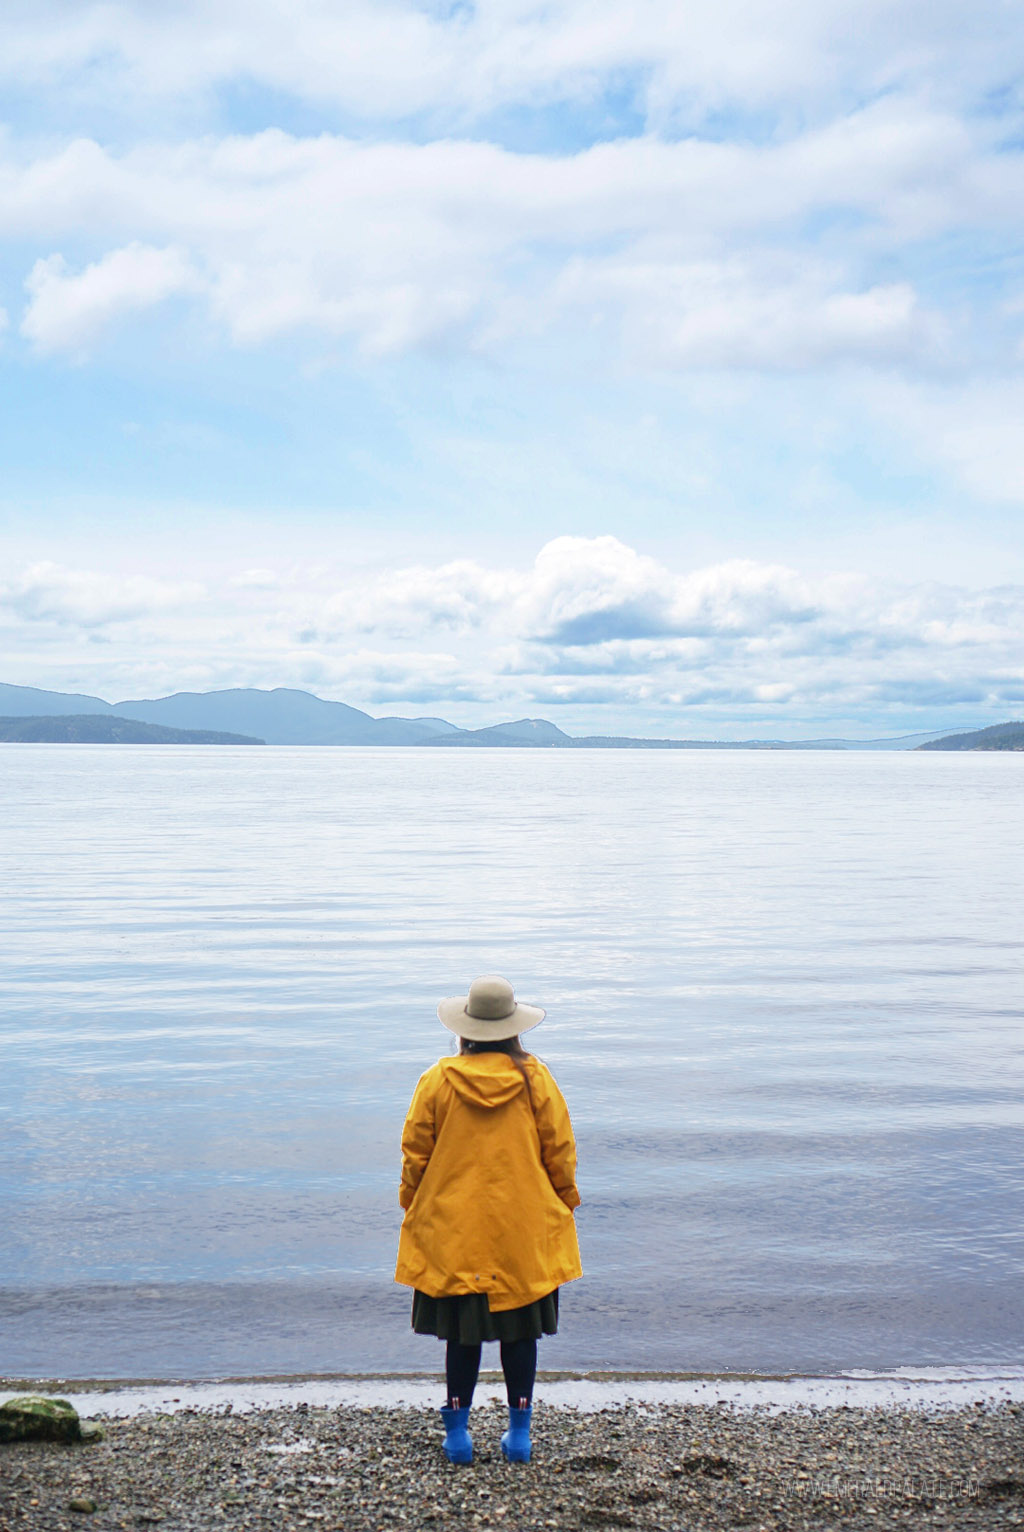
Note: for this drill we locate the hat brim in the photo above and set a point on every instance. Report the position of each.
(453, 1014)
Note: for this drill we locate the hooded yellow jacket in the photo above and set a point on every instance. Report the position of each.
(488, 1183)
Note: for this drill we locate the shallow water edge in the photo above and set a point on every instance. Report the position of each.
(901, 1388)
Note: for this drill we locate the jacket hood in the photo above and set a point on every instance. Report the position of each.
(483, 1079)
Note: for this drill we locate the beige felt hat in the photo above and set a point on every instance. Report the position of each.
(489, 1013)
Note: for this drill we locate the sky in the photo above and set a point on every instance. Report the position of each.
(652, 368)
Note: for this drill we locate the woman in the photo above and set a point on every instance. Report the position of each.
(488, 1188)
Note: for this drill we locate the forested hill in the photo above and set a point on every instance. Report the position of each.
(1001, 736)
(101, 729)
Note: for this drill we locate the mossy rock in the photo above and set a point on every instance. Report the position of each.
(35, 1419)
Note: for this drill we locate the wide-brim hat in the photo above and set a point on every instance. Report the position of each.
(489, 1013)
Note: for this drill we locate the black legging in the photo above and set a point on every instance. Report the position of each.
(518, 1363)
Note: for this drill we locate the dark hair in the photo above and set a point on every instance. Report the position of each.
(508, 1045)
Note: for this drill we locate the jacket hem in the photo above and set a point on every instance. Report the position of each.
(498, 1303)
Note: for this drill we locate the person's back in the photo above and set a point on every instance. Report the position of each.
(489, 1188)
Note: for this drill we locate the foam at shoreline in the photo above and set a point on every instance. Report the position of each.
(901, 1388)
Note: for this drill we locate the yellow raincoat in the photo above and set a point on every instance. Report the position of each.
(488, 1183)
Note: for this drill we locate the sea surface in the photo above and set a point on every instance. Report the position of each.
(784, 1004)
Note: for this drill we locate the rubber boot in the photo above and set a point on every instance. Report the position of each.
(458, 1444)
(515, 1443)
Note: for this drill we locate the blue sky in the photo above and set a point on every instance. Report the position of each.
(653, 368)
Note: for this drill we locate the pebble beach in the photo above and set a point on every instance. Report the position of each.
(666, 1468)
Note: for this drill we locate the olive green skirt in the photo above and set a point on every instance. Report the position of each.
(469, 1320)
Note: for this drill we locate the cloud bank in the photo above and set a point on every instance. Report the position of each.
(592, 630)
(683, 254)
(385, 59)
(730, 185)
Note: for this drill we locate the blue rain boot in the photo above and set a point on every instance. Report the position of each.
(458, 1444)
(515, 1443)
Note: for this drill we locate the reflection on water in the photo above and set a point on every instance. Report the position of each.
(784, 1005)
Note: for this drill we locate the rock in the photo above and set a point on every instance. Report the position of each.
(708, 1463)
(91, 1431)
(1003, 1489)
(33, 1418)
(82, 1503)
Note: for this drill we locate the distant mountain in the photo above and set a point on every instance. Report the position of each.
(894, 742)
(623, 742)
(526, 731)
(1001, 736)
(398, 731)
(30, 702)
(100, 729)
(281, 717)
(285, 716)
(538, 731)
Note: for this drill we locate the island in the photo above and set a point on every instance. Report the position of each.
(1001, 736)
(98, 729)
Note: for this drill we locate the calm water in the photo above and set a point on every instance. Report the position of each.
(784, 1005)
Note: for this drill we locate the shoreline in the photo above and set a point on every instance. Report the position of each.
(654, 1467)
(928, 1389)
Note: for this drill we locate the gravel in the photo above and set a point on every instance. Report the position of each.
(670, 1467)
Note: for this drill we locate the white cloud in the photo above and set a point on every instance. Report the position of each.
(730, 314)
(67, 310)
(49, 593)
(580, 592)
(459, 596)
(599, 597)
(579, 585)
(255, 579)
(910, 169)
(396, 59)
(698, 249)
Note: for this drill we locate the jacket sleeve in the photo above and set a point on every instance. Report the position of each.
(418, 1137)
(557, 1145)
